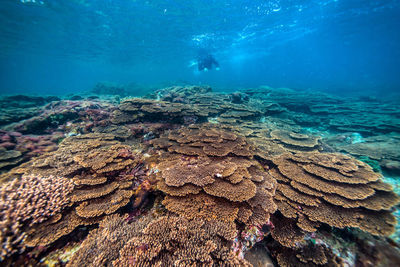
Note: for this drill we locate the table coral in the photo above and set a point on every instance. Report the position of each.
(58, 114)
(9, 158)
(15, 108)
(184, 109)
(179, 94)
(214, 176)
(101, 169)
(295, 140)
(308, 256)
(146, 110)
(205, 140)
(380, 151)
(333, 189)
(220, 183)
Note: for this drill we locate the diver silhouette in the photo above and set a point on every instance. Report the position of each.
(206, 61)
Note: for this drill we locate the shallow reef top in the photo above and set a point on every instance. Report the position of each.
(187, 177)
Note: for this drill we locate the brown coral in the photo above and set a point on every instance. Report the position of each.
(202, 206)
(26, 202)
(258, 134)
(218, 179)
(308, 256)
(242, 191)
(295, 140)
(333, 189)
(286, 232)
(9, 158)
(51, 230)
(176, 241)
(146, 110)
(205, 140)
(103, 245)
(102, 170)
(208, 104)
(196, 171)
(105, 205)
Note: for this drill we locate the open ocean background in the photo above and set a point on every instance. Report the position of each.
(337, 46)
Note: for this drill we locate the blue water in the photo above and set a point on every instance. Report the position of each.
(62, 46)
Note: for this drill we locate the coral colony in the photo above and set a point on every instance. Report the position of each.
(188, 177)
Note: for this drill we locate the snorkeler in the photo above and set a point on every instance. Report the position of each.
(206, 62)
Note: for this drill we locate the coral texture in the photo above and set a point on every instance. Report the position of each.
(208, 173)
(102, 170)
(312, 255)
(9, 158)
(295, 140)
(205, 140)
(28, 201)
(335, 189)
(229, 169)
(184, 105)
(146, 110)
(104, 244)
(176, 241)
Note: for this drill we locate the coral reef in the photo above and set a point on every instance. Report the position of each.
(205, 140)
(358, 249)
(19, 107)
(334, 189)
(189, 177)
(381, 148)
(210, 174)
(295, 140)
(104, 244)
(105, 88)
(61, 256)
(28, 201)
(259, 256)
(61, 113)
(102, 170)
(16, 148)
(9, 158)
(290, 247)
(176, 241)
(178, 94)
(275, 137)
(341, 247)
(219, 107)
(312, 255)
(333, 113)
(146, 110)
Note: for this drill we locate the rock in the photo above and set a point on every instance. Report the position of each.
(259, 256)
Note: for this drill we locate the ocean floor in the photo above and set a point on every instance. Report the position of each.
(185, 176)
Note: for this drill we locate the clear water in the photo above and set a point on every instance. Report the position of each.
(61, 46)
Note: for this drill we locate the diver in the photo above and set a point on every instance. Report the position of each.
(206, 61)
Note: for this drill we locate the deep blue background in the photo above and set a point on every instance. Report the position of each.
(340, 46)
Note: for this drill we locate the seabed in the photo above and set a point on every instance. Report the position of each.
(185, 176)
